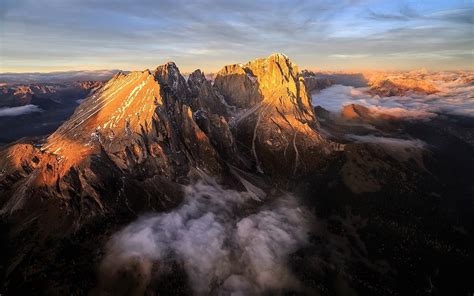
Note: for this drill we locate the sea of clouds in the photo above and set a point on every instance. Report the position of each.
(16, 111)
(229, 242)
(454, 98)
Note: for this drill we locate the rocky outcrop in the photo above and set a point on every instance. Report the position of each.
(238, 86)
(278, 128)
(211, 114)
(314, 83)
(400, 86)
(46, 93)
(168, 74)
(204, 96)
(359, 113)
(89, 85)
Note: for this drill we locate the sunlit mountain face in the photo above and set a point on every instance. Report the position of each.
(342, 167)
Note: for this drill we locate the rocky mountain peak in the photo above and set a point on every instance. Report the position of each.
(276, 69)
(279, 55)
(276, 109)
(238, 87)
(196, 79)
(274, 79)
(203, 96)
(113, 117)
(169, 75)
(119, 74)
(280, 84)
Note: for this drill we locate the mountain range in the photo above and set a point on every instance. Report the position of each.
(390, 199)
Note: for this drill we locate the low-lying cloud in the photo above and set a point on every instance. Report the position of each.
(55, 77)
(393, 142)
(401, 149)
(16, 111)
(455, 97)
(227, 242)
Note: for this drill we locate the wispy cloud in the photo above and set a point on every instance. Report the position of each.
(415, 143)
(404, 13)
(16, 111)
(348, 56)
(407, 13)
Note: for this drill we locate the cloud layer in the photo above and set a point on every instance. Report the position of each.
(48, 35)
(455, 97)
(228, 242)
(16, 111)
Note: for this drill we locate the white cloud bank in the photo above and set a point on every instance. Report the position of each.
(455, 97)
(401, 149)
(16, 111)
(415, 143)
(227, 241)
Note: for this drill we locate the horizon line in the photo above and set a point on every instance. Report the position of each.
(312, 69)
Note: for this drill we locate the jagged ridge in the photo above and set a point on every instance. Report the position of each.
(143, 130)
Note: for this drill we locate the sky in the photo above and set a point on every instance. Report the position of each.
(60, 35)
